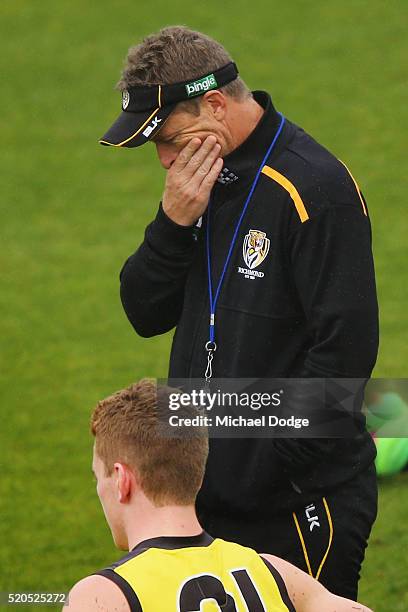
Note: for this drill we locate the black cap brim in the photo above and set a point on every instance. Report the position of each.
(135, 129)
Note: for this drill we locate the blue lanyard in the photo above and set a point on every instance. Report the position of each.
(211, 346)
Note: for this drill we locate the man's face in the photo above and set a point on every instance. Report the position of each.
(108, 493)
(180, 128)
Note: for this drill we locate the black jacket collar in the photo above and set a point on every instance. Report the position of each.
(240, 164)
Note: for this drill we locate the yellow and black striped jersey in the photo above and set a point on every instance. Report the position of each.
(200, 574)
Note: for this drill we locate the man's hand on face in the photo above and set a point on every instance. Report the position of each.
(190, 180)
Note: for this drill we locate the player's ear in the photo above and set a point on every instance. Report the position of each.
(123, 476)
(216, 103)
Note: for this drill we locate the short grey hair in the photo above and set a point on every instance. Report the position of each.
(176, 54)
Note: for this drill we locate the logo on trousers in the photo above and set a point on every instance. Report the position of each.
(312, 517)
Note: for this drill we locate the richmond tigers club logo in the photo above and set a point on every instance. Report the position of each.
(125, 99)
(255, 248)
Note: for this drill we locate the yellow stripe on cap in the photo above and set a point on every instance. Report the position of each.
(357, 188)
(120, 144)
(290, 188)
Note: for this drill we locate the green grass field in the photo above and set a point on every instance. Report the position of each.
(73, 211)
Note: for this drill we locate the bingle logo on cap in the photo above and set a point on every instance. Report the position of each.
(125, 99)
(197, 87)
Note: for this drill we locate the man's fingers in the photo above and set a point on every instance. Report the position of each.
(209, 144)
(206, 165)
(186, 154)
(210, 178)
(185, 197)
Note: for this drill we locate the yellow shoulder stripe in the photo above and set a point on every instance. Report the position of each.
(290, 188)
(357, 188)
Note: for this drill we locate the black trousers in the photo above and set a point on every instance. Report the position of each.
(326, 538)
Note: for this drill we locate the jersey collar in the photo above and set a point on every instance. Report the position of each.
(165, 543)
(172, 542)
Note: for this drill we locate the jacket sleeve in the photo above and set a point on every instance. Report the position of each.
(332, 267)
(153, 278)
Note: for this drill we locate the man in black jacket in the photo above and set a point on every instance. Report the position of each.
(276, 229)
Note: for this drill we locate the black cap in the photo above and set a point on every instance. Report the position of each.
(145, 108)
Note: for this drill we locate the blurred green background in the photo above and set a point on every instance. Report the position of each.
(73, 211)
